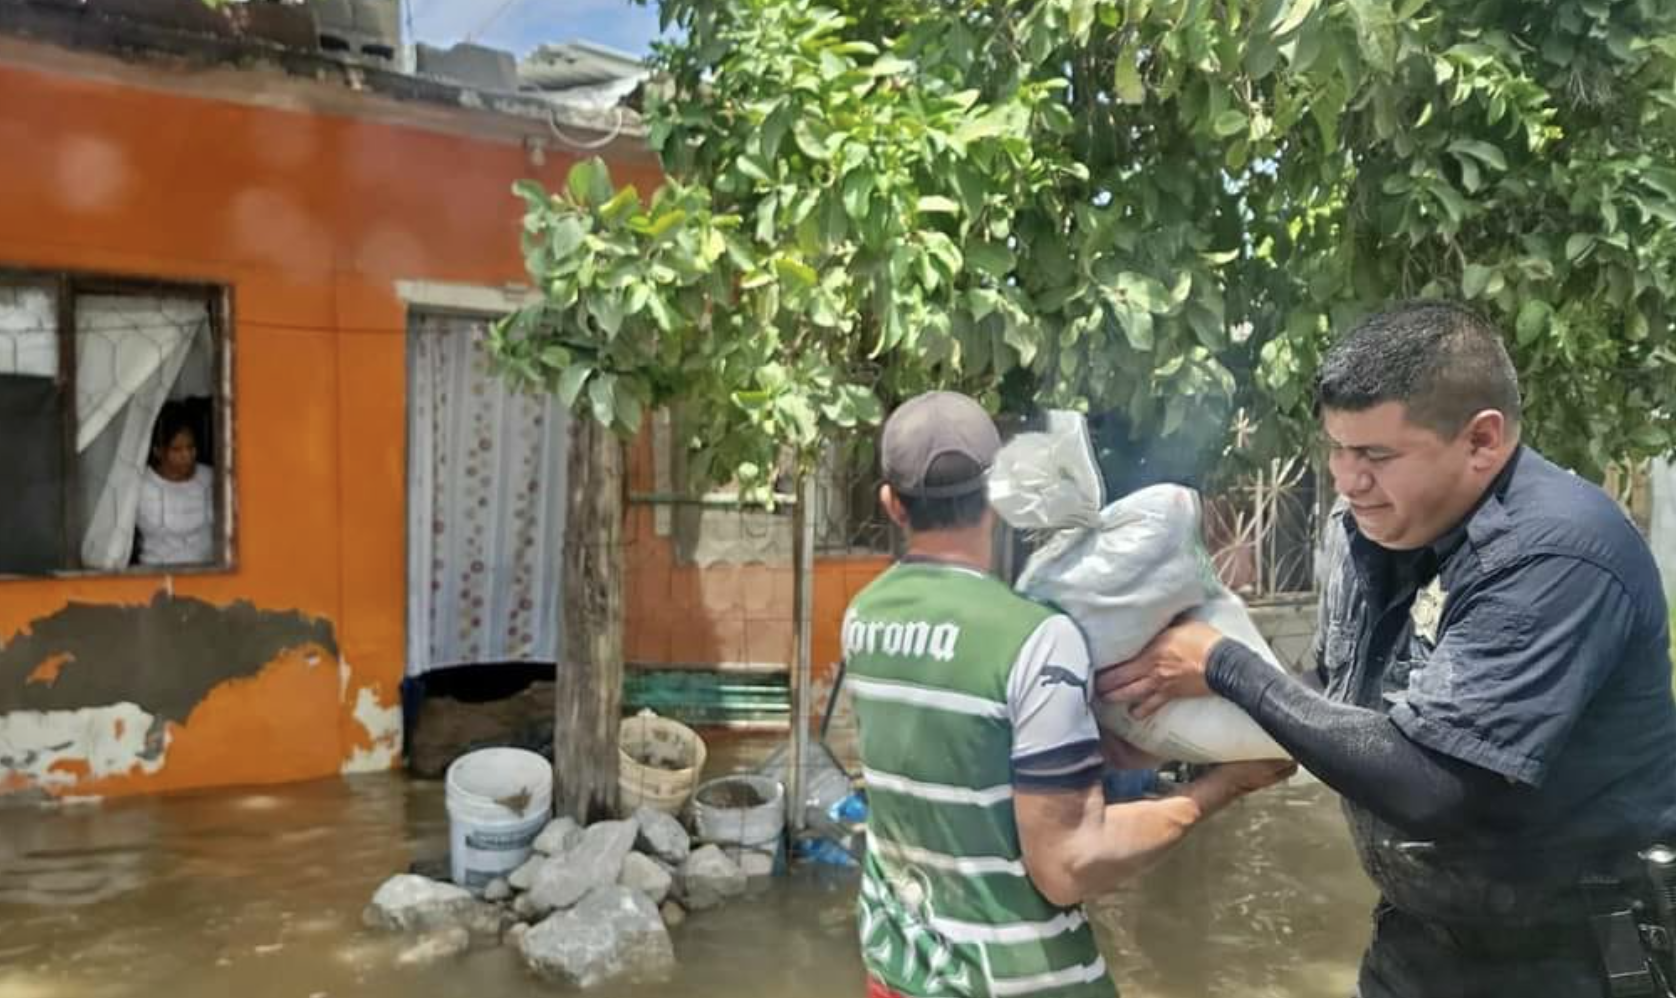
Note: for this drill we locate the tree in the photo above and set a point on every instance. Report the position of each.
(1157, 208)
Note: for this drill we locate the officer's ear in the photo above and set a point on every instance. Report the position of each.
(891, 503)
(1489, 438)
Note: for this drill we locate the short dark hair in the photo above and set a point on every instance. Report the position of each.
(946, 513)
(171, 421)
(1442, 360)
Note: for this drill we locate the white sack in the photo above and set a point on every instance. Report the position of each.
(1124, 572)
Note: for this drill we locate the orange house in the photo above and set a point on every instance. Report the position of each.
(281, 224)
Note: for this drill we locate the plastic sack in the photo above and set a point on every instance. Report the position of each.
(1124, 571)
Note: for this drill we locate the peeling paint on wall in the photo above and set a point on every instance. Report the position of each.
(383, 727)
(165, 656)
(94, 697)
(57, 749)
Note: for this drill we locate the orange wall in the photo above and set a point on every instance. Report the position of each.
(309, 219)
(680, 614)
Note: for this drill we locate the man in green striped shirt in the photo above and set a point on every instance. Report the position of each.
(987, 826)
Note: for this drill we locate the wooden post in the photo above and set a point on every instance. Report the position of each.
(589, 689)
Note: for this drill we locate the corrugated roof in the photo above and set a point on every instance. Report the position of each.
(573, 65)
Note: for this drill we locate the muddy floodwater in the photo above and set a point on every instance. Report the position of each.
(258, 894)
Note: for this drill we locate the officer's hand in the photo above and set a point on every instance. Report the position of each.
(1171, 667)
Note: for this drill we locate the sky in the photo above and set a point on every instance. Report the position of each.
(521, 25)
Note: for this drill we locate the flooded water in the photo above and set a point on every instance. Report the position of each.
(259, 895)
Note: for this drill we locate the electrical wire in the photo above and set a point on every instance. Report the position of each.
(612, 136)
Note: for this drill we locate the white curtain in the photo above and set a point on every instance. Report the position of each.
(28, 331)
(486, 502)
(129, 351)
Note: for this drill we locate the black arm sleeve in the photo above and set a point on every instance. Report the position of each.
(1356, 751)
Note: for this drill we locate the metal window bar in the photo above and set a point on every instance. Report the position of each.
(1262, 530)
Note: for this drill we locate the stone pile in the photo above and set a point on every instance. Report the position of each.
(591, 905)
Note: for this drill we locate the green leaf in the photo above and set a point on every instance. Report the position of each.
(1295, 16)
(1126, 80)
(1532, 321)
(602, 393)
(1483, 152)
(889, 65)
(754, 168)
(858, 189)
(811, 139)
(1023, 340)
(1229, 123)
(1474, 278)
(565, 236)
(1578, 244)
(990, 259)
(623, 203)
(1081, 20)
(571, 382)
(590, 182)
(534, 195)
(628, 412)
(1137, 327)
(796, 271)
(666, 222)
(936, 203)
(607, 310)
(1143, 292)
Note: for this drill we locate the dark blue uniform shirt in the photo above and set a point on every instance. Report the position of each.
(1530, 641)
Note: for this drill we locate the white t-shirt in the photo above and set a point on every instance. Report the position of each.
(177, 519)
(1056, 743)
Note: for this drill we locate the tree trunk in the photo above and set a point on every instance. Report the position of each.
(589, 691)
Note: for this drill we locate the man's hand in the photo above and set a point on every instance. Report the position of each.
(1120, 754)
(1233, 780)
(1171, 667)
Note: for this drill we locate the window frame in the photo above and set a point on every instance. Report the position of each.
(66, 286)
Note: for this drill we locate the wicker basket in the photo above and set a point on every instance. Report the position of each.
(659, 763)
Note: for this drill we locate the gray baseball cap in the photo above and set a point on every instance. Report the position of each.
(937, 446)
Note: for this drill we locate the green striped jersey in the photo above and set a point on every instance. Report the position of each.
(963, 691)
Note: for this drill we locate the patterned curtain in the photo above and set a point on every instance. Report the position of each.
(486, 501)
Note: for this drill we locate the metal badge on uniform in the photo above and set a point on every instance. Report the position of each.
(1427, 612)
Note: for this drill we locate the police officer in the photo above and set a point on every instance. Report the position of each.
(1492, 691)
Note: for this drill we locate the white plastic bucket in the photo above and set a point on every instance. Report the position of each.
(499, 800)
(749, 835)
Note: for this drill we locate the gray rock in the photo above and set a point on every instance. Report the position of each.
(487, 921)
(558, 838)
(708, 878)
(661, 836)
(411, 903)
(521, 878)
(439, 945)
(673, 914)
(643, 874)
(755, 862)
(498, 890)
(515, 935)
(612, 934)
(606, 843)
(595, 861)
(558, 884)
(525, 908)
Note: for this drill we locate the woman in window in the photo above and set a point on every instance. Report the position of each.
(177, 507)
